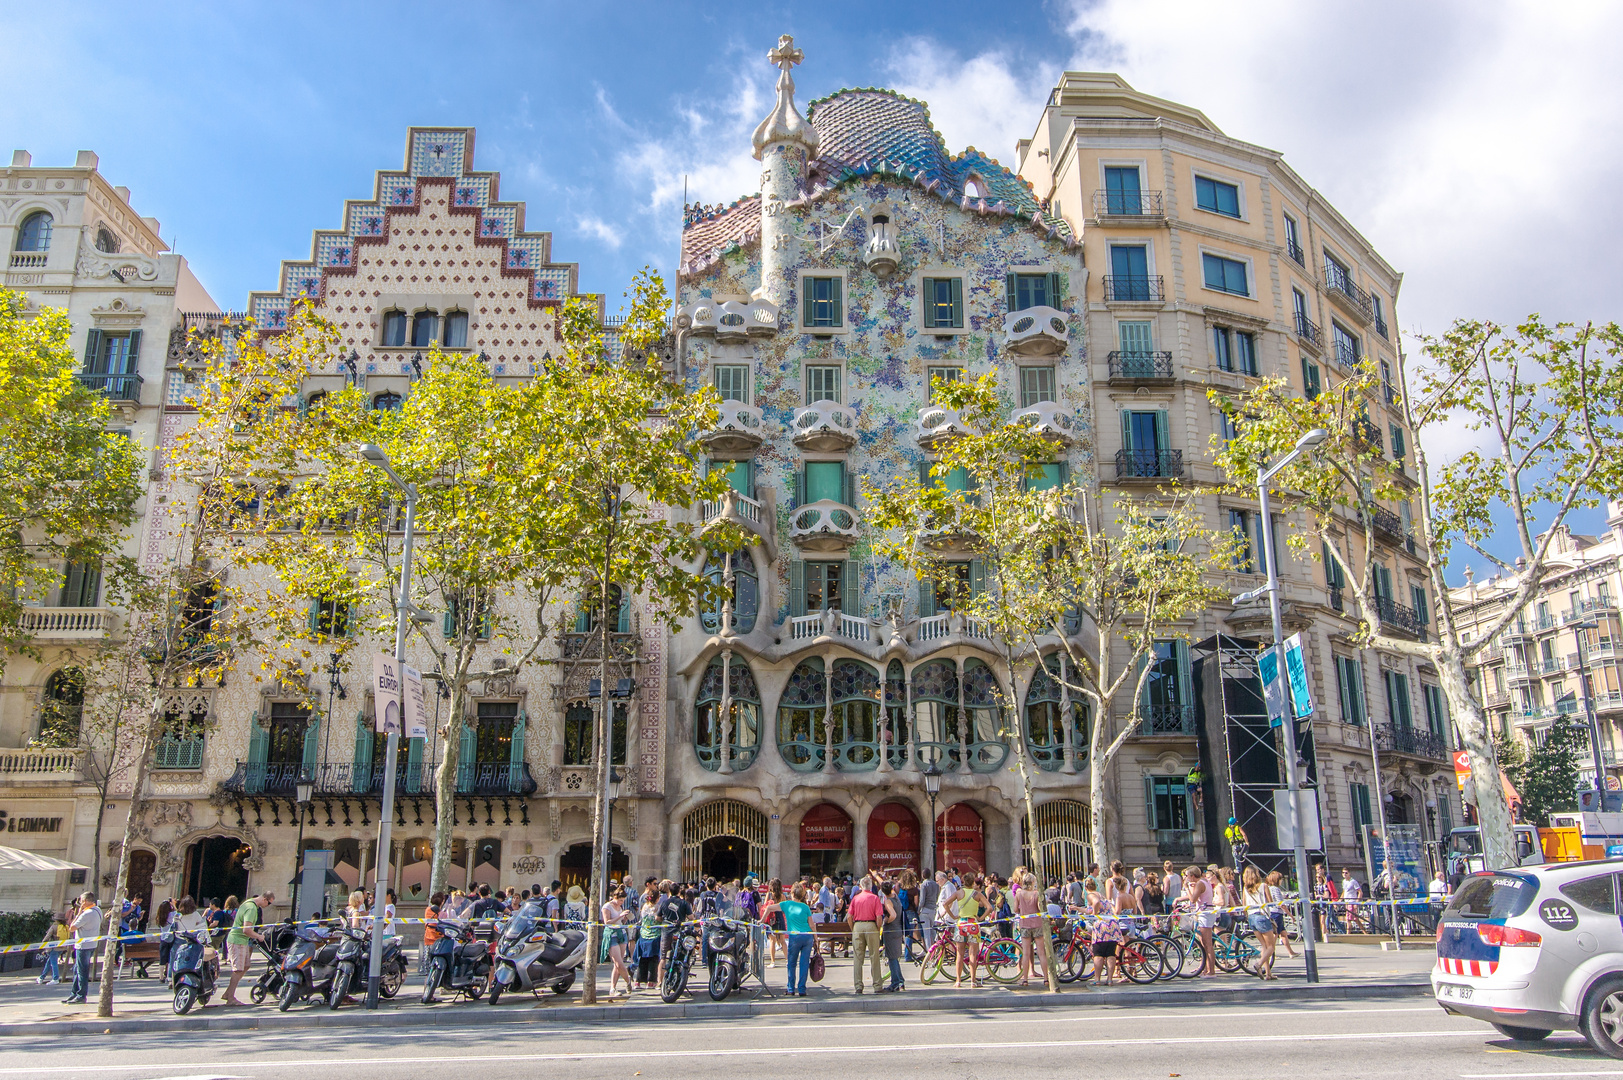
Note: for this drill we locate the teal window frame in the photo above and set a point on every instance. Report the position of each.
(1225, 275)
(731, 381)
(943, 303)
(1037, 385)
(824, 383)
(1029, 290)
(1217, 196)
(825, 302)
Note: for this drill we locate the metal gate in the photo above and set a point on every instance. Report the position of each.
(725, 817)
(1064, 839)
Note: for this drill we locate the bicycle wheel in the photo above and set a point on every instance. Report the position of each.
(1072, 961)
(1228, 952)
(1172, 955)
(930, 966)
(1141, 961)
(1002, 958)
(1247, 953)
(1194, 957)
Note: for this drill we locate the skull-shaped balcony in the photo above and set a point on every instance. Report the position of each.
(729, 320)
(937, 425)
(1036, 331)
(824, 525)
(825, 426)
(1050, 421)
(737, 430)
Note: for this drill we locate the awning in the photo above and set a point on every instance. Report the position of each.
(15, 859)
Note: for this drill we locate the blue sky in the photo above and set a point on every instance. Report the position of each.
(1475, 144)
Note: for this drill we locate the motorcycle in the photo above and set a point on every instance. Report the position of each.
(529, 955)
(193, 968)
(309, 966)
(355, 966)
(729, 945)
(278, 940)
(680, 962)
(458, 961)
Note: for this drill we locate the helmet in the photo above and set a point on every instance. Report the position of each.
(1234, 821)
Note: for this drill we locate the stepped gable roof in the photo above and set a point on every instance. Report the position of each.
(708, 232)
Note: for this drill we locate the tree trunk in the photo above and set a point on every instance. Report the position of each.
(1492, 808)
(1045, 939)
(109, 960)
(445, 794)
(1096, 796)
(597, 883)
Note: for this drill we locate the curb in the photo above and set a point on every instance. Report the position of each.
(472, 1013)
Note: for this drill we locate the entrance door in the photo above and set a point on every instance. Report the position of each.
(825, 841)
(575, 865)
(725, 857)
(142, 865)
(960, 838)
(214, 869)
(893, 837)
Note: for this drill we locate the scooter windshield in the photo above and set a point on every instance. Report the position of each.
(523, 922)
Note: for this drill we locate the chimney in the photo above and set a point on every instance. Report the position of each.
(21, 159)
(87, 159)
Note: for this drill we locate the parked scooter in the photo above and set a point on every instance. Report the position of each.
(530, 955)
(309, 966)
(680, 962)
(729, 946)
(193, 968)
(278, 939)
(458, 961)
(355, 966)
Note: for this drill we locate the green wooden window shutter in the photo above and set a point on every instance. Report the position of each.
(926, 598)
(957, 302)
(414, 765)
(448, 624)
(1010, 292)
(925, 479)
(850, 489)
(361, 780)
(515, 751)
(1310, 378)
(1162, 431)
(806, 285)
(623, 617)
(977, 577)
(312, 744)
(851, 588)
(484, 620)
(1149, 802)
(800, 488)
(315, 615)
(837, 293)
(468, 746)
(92, 349)
(1127, 431)
(258, 741)
(927, 288)
(1186, 673)
(797, 587)
(1053, 290)
(133, 363)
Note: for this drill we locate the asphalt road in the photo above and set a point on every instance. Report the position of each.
(1330, 1039)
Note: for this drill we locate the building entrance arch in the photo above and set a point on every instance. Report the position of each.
(826, 834)
(724, 835)
(215, 869)
(575, 865)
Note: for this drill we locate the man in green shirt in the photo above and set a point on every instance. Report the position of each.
(239, 939)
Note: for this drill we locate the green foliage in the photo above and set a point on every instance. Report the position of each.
(1547, 775)
(69, 485)
(24, 927)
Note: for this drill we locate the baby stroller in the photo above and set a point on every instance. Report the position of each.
(278, 939)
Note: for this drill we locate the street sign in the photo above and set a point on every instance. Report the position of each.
(1296, 669)
(1462, 768)
(387, 698)
(1273, 686)
(1307, 812)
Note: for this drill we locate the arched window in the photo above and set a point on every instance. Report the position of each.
(896, 713)
(106, 242)
(578, 734)
(394, 328)
(315, 402)
(35, 232)
(63, 709)
(455, 333)
(935, 712)
(423, 326)
(975, 187)
(746, 591)
(740, 729)
(984, 706)
(619, 603)
(388, 401)
(1046, 726)
(855, 688)
(802, 711)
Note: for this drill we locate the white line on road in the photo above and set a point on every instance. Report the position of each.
(610, 1055)
(1516, 1076)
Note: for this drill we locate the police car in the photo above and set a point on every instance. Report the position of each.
(1536, 949)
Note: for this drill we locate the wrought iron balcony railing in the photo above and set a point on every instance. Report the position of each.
(1149, 464)
(1140, 366)
(1308, 331)
(1127, 204)
(1342, 288)
(116, 387)
(335, 779)
(1294, 250)
(1400, 618)
(1133, 289)
(1412, 742)
(1167, 720)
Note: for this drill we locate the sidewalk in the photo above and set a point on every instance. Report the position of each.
(142, 1005)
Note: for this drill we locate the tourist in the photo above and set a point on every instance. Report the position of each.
(772, 915)
(929, 896)
(646, 952)
(798, 932)
(86, 927)
(431, 933)
(245, 918)
(1258, 902)
(1199, 901)
(615, 917)
(1275, 885)
(891, 935)
(1028, 905)
(968, 903)
(867, 916)
(55, 935)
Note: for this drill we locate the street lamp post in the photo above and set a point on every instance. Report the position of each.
(302, 792)
(615, 779)
(1304, 883)
(1581, 632)
(403, 614)
(932, 788)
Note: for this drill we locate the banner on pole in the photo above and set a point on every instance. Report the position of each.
(1296, 668)
(394, 684)
(1273, 686)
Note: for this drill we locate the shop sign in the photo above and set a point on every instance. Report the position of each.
(825, 828)
(13, 823)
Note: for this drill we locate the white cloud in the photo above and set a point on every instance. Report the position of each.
(987, 101)
(594, 226)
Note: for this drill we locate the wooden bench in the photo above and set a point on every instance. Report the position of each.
(833, 936)
(142, 954)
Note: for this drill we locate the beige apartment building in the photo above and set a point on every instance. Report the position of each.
(1213, 263)
(1558, 660)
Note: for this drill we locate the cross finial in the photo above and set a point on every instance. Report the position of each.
(785, 124)
(786, 55)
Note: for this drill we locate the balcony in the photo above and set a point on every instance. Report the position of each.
(1133, 206)
(739, 509)
(737, 430)
(1167, 721)
(824, 525)
(126, 387)
(1546, 621)
(951, 623)
(1607, 700)
(1308, 333)
(40, 765)
(1174, 844)
(1518, 673)
(1294, 250)
(1412, 742)
(1346, 293)
(1387, 525)
(1588, 609)
(1140, 367)
(1036, 331)
(936, 424)
(831, 623)
(825, 426)
(1048, 420)
(29, 260)
(1496, 699)
(1150, 465)
(1518, 631)
(1547, 666)
(1133, 290)
(1380, 327)
(336, 779)
(65, 623)
(732, 320)
(587, 645)
(1400, 618)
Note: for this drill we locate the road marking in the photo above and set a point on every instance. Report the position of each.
(611, 1055)
(1513, 1076)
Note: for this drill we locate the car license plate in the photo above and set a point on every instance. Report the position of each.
(1459, 993)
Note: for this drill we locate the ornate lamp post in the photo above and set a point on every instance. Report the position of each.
(302, 792)
(932, 788)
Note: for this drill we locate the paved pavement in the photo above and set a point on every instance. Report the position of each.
(1361, 970)
(1295, 1038)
